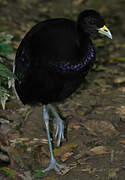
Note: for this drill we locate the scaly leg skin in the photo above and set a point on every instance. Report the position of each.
(59, 125)
(53, 164)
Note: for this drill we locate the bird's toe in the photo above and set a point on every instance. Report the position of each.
(54, 165)
(59, 131)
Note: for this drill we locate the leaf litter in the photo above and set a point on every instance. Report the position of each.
(96, 127)
(91, 129)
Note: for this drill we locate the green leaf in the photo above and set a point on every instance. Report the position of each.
(3, 96)
(5, 44)
(38, 173)
(8, 172)
(120, 59)
(6, 76)
(5, 49)
(99, 67)
(117, 59)
(5, 72)
(24, 147)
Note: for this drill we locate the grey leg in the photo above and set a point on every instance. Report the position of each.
(53, 164)
(59, 125)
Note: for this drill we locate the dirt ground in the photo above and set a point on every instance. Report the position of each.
(94, 116)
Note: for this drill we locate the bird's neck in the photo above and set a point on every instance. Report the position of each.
(78, 65)
(83, 38)
(82, 29)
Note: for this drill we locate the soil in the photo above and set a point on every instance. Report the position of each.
(94, 116)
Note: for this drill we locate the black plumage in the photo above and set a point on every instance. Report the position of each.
(41, 65)
(54, 57)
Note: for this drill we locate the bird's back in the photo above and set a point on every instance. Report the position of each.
(55, 38)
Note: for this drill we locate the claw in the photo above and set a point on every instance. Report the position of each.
(54, 165)
(59, 130)
(59, 125)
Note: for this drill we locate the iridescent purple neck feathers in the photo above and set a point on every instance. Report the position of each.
(69, 66)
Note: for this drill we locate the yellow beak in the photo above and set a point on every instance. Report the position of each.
(104, 30)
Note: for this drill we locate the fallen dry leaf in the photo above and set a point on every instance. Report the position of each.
(103, 89)
(21, 151)
(63, 149)
(4, 157)
(66, 156)
(100, 82)
(78, 156)
(49, 178)
(121, 110)
(112, 173)
(74, 125)
(97, 127)
(99, 150)
(122, 141)
(26, 175)
(119, 80)
(89, 169)
(5, 129)
(67, 169)
(19, 140)
(77, 2)
(122, 89)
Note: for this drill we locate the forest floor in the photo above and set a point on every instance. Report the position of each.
(94, 146)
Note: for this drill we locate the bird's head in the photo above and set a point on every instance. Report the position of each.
(90, 21)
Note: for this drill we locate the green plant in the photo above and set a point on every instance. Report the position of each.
(6, 76)
(39, 173)
(8, 172)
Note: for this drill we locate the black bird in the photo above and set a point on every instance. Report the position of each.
(52, 61)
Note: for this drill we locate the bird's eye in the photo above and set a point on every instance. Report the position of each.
(92, 22)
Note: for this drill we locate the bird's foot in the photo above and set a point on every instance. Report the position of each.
(59, 130)
(54, 165)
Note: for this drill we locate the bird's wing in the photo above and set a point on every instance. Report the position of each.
(22, 63)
